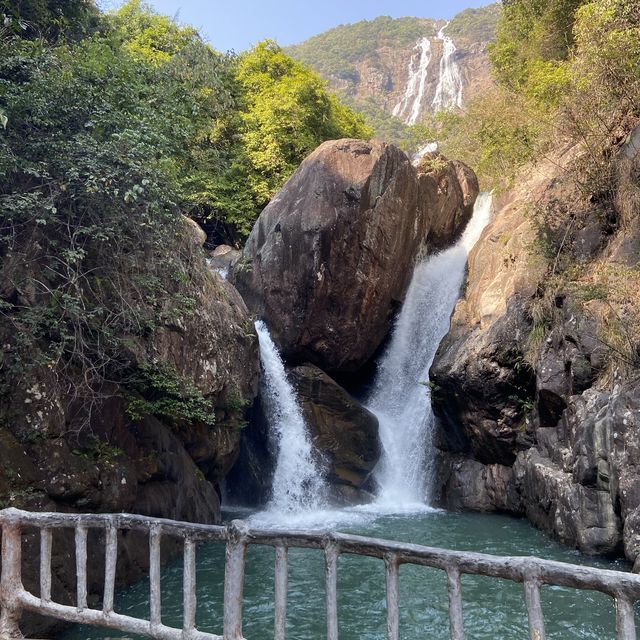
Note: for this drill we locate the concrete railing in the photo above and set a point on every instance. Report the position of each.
(14, 598)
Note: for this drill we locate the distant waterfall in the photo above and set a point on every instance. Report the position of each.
(297, 482)
(449, 89)
(401, 396)
(409, 107)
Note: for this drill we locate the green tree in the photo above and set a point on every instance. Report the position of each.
(49, 19)
(148, 36)
(530, 31)
(287, 113)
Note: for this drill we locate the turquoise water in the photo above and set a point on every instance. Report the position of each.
(493, 609)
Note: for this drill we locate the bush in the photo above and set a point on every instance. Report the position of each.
(496, 134)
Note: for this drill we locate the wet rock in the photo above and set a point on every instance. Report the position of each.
(343, 431)
(249, 481)
(578, 515)
(223, 258)
(483, 390)
(471, 485)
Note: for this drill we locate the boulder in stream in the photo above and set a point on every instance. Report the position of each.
(343, 431)
(330, 258)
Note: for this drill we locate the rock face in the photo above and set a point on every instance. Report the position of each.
(58, 453)
(484, 385)
(539, 416)
(343, 431)
(454, 187)
(330, 258)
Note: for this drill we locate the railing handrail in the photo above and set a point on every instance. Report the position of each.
(531, 571)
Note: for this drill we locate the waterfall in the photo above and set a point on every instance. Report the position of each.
(401, 396)
(412, 100)
(297, 482)
(429, 147)
(449, 89)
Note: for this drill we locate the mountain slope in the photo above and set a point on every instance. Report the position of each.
(405, 67)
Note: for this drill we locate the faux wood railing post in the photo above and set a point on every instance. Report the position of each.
(534, 609)
(234, 579)
(189, 587)
(155, 593)
(456, 620)
(81, 567)
(393, 596)
(11, 581)
(110, 561)
(281, 588)
(46, 539)
(331, 553)
(625, 618)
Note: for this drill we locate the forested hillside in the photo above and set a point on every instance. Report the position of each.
(367, 64)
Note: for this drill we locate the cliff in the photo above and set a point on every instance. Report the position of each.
(537, 380)
(155, 434)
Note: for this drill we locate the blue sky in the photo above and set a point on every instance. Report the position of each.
(238, 24)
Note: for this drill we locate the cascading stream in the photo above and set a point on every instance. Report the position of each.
(409, 107)
(449, 89)
(401, 396)
(298, 485)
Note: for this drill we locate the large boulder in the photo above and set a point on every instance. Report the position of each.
(453, 188)
(330, 258)
(343, 431)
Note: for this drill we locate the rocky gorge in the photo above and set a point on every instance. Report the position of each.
(346, 228)
(221, 293)
(326, 266)
(537, 404)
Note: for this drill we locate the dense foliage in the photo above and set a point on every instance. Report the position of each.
(288, 113)
(565, 69)
(476, 25)
(335, 52)
(111, 127)
(49, 19)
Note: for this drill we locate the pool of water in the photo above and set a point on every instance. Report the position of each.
(493, 609)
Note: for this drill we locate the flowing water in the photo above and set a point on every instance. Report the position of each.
(493, 609)
(449, 89)
(448, 93)
(297, 483)
(401, 397)
(409, 107)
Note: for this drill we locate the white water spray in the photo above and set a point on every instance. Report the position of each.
(429, 147)
(401, 397)
(409, 107)
(449, 89)
(298, 485)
